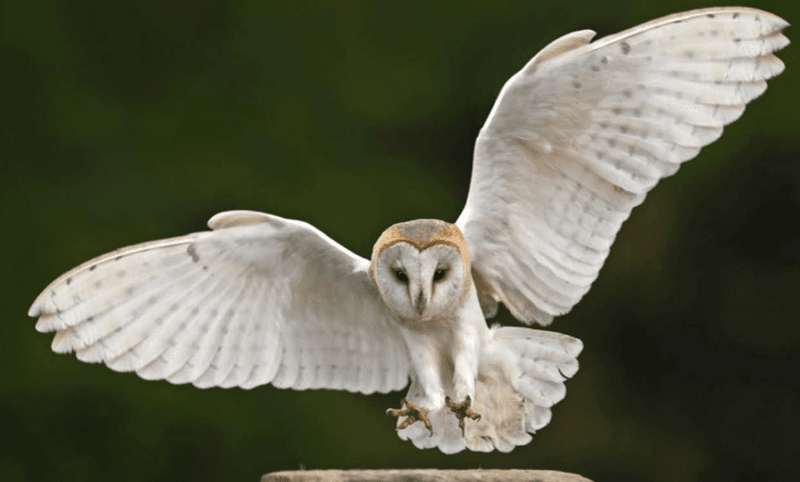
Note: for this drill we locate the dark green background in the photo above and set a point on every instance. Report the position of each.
(128, 121)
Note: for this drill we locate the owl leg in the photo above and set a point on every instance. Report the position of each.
(412, 413)
(462, 411)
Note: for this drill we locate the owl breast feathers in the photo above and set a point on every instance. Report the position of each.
(573, 143)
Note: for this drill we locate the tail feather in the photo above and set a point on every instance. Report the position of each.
(517, 384)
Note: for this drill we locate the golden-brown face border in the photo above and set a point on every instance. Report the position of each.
(422, 234)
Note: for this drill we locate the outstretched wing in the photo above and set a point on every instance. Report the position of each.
(260, 299)
(579, 136)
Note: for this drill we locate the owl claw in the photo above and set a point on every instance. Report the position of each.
(412, 413)
(462, 411)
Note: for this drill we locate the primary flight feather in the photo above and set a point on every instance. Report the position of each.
(574, 141)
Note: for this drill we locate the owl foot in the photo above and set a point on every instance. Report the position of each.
(412, 413)
(462, 411)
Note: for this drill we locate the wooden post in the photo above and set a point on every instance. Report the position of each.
(423, 475)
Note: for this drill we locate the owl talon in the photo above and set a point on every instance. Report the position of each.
(462, 411)
(412, 413)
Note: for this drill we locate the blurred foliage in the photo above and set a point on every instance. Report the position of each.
(134, 120)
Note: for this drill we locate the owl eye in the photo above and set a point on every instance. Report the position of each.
(400, 275)
(439, 274)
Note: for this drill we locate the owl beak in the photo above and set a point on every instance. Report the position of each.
(421, 302)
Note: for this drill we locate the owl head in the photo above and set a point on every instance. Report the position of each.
(421, 269)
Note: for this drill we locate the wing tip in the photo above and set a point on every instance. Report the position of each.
(779, 22)
(42, 324)
(38, 307)
(63, 342)
(35, 310)
(573, 346)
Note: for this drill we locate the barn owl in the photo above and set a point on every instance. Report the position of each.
(574, 141)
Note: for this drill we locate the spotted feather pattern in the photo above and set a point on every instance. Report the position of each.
(579, 136)
(260, 299)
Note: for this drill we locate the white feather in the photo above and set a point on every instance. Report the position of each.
(522, 375)
(575, 140)
(253, 302)
(578, 137)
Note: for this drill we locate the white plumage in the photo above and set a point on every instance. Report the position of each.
(223, 308)
(575, 140)
(579, 136)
